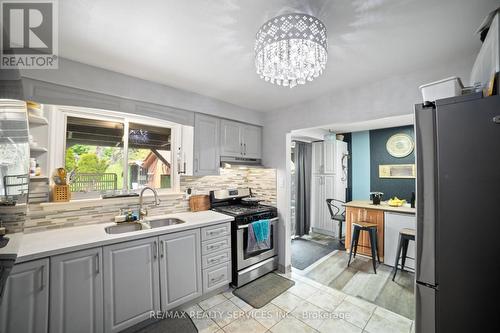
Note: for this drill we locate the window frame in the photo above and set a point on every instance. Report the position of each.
(125, 119)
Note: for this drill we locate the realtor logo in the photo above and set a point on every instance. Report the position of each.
(29, 35)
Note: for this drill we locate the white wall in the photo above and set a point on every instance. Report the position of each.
(81, 76)
(391, 96)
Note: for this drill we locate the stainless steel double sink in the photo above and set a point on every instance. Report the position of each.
(136, 226)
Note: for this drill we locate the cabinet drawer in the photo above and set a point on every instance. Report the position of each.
(215, 245)
(215, 231)
(216, 258)
(216, 277)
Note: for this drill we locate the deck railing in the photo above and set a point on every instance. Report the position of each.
(92, 182)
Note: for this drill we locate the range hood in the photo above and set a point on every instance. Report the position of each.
(230, 161)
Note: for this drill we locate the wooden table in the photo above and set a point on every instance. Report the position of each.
(365, 211)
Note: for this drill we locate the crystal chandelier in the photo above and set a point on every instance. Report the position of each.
(291, 49)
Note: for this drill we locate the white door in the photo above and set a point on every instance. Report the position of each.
(206, 145)
(25, 303)
(180, 268)
(131, 283)
(317, 157)
(329, 157)
(231, 138)
(252, 141)
(76, 295)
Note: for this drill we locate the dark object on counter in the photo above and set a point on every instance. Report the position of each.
(122, 195)
(412, 200)
(376, 197)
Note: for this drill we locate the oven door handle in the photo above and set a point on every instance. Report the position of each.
(272, 221)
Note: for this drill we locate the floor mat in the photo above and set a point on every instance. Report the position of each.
(263, 290)
(306, 252)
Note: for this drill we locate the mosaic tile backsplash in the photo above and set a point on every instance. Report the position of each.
(42, 217)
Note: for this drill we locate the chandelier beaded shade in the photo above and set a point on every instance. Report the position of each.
(291, 49)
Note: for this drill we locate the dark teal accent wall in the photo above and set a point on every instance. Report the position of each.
(402, 188)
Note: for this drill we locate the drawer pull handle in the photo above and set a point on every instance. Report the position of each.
(216, 259)
(217, 279)
(217, 246)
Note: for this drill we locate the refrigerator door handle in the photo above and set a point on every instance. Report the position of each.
(426, 195)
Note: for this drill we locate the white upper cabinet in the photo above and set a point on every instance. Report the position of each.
(76, 293)
(323, 157)
(206, 145)
(25, 303)
(240, 140)
(317, 157)
(329, 157)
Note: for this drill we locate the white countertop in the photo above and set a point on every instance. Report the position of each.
(53, 242)
(406, 209)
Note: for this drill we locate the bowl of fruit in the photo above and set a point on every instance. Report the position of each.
(396, 202)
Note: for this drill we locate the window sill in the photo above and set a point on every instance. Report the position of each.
(100, 202)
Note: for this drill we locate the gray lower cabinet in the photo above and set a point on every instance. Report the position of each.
(180, 268)
(25, 304)
(76, 293)
(131, 283)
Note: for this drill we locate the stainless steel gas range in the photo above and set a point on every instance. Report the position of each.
(247, 266)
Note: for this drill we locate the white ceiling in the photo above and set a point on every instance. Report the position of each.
(207, 46)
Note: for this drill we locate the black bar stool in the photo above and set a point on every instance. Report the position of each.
(335, 216)
(405, 236)
(372, 231)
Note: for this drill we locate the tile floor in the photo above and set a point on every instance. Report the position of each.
(306, 307)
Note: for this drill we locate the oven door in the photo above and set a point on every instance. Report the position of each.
(246, 259)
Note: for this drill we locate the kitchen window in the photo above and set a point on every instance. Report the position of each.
(110, 155)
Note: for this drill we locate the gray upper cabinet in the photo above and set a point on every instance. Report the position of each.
(180, 268)
(25, 304)
(252, 141)
(240, 140)
(131, 283)
(76, 294)
(206, 159)
(231, 138)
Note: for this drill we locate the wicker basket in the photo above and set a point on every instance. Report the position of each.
(61, 193)
(199, 202)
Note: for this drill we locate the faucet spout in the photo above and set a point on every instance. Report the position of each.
(143, 212)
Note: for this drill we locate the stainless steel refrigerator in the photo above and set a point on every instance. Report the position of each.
(458, 214)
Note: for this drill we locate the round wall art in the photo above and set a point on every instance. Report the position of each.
(400, 145)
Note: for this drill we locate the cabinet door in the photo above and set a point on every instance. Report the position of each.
(317, 157)
(131, 283)
(76, 296)
(252, 141)
(316, 194)
(393, 223)
(354, 214)
(329, 157)
(25, 302)
(180, 268)
(206, 145)
(231, 138)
